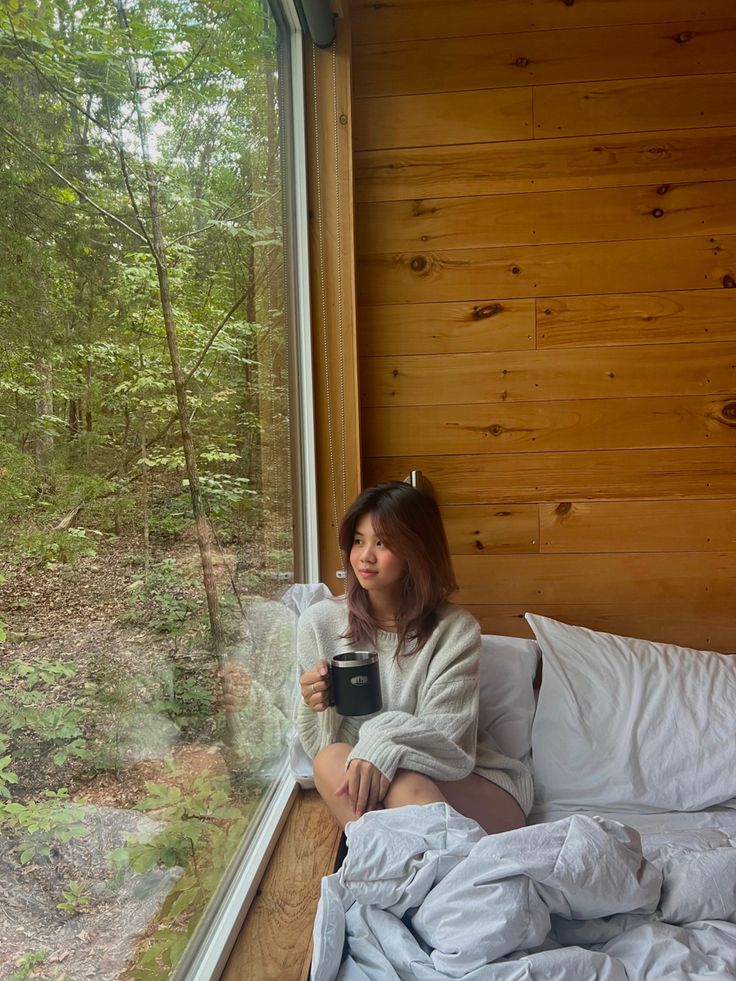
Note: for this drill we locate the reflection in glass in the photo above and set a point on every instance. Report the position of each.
(145, 502)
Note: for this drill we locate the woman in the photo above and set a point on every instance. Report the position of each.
(424, 747)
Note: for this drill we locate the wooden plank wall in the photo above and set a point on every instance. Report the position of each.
(546, 259)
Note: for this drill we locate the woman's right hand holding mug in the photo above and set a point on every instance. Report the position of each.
(315, 686)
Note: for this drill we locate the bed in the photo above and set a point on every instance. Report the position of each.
(627, 869)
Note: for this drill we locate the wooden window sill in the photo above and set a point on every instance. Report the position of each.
(275, 942)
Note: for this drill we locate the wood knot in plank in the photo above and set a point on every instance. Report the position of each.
(521, 62)
(515, 270)
(489, 310)
(418, 263)
(683, 37)
(478, 544)
(494, 430)
(563, 508)
(568, 3)
(728, 282)
(657, 212)
(663, 189)
(728, 414)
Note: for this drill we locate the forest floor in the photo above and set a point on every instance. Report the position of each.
(76, 614)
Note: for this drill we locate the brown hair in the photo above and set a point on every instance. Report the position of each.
(409, 523)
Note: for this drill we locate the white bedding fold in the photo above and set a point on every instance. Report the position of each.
(424, 894)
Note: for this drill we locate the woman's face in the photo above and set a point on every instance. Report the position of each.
(376, 567)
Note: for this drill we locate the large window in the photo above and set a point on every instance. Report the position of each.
(146, 470)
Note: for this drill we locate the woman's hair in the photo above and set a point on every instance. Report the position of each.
(408, 522)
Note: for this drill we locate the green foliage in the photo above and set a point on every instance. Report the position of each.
(6, 776)
(18, 481)
(39, 824)
(165, 601)
(27, 709)
(77, 898)
(65, 547)
(192, 700)
(171, 517)
(85, 375)
(223, 492)
(27, 964)
(203, 829)
(43, 672)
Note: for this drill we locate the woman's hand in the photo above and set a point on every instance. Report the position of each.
(236, 686)
(315, 685)
(365, 787)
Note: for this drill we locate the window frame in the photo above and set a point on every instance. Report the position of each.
(209, 947)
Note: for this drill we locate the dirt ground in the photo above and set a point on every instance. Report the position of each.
(73, 614)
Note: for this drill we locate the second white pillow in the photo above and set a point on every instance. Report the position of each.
(631, 725)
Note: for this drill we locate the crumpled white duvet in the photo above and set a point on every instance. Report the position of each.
(424, 895)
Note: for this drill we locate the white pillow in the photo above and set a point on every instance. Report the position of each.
(631, 725)
(507, 669)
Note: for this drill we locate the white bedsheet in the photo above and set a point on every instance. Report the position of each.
(424, 895)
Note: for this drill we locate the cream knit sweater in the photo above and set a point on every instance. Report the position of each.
(429, 721)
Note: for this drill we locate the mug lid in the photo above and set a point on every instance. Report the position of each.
(350, 658)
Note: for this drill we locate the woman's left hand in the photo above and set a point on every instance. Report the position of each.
(365, 787)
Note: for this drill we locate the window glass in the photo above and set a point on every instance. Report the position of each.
(145, 486)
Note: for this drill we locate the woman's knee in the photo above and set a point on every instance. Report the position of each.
(328, 765)
(409, 787)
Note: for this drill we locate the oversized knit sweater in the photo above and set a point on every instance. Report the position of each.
(429, 720)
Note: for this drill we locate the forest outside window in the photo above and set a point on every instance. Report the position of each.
(146, 498)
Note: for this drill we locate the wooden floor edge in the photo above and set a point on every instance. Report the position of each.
(275, 942)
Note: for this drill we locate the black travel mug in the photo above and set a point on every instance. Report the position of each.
(355, 682)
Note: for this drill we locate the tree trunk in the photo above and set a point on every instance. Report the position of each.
(202, 530)
(145, 496)
(44, 441)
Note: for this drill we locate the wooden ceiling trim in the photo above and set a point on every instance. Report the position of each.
(332, 289)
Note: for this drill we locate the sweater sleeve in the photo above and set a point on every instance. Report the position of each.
(438, 740)
(315, 729)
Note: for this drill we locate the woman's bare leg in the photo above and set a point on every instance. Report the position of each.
(494, 809)
(474, 796)
(407, 787)
(329, 773)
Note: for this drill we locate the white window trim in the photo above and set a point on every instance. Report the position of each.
(208, 950)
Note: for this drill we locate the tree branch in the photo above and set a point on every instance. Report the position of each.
(77, 190)
(195, 367)
(53, 86)
(182, 71)
(131, 196)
